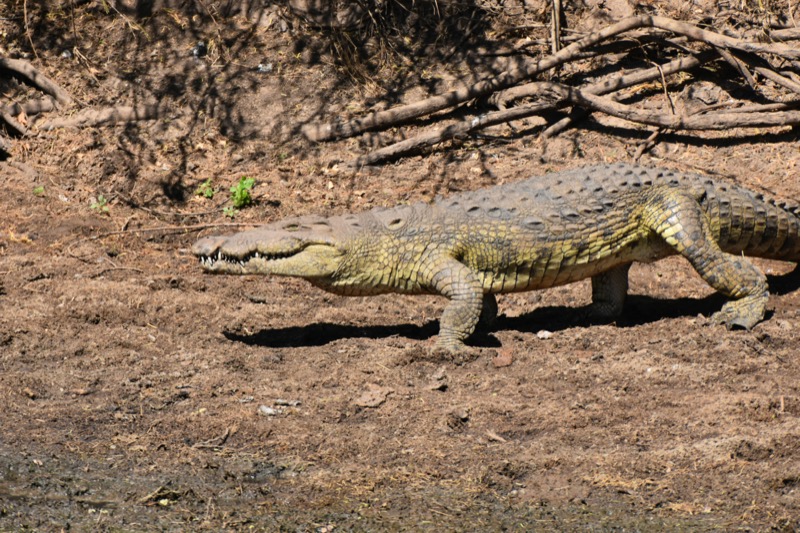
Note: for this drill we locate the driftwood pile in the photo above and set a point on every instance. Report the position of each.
(761, 58)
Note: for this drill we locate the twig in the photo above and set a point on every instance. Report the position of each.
(389, 117)
(116, 268)
(556, 27)
(646, 145)
(764, 108)
(27, 28)
(738, 66)
(165, 229)
(215, 442)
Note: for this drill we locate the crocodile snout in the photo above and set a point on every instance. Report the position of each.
(208, 246)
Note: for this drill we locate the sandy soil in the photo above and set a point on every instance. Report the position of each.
(140, 394)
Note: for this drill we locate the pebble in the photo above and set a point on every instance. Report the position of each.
(544, 334)
(290, 403)
(265, 410)
(200, 49)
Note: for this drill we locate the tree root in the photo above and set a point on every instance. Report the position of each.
(103, 116)
(37, 79)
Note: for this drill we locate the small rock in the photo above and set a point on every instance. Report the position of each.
(264, 68)
(264, 410)
(438, 385)
(457, 418)
(439, 380)
(544, 334)
(290, 403)
(200, 49)
(373, 397)
(503, 359)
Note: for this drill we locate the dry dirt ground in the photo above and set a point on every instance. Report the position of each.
(140, 394)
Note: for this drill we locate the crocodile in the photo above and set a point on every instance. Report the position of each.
(589, 222)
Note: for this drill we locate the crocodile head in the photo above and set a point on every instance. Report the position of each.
(306, 247)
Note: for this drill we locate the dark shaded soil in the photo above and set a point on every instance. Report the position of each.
(140, 394)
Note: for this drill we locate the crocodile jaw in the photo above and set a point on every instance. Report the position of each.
(282, 256)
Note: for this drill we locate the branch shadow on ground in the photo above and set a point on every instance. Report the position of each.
(640, 310)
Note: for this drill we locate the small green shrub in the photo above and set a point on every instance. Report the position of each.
(205, 189)
(100, 205)
(240, 193)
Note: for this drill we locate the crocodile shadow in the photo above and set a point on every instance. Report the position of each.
(639, 310)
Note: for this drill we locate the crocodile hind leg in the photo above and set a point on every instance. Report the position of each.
(676, 216)
(609, 290)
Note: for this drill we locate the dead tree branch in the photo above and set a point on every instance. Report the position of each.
(390, 117)
(717, 121)
(463, 128)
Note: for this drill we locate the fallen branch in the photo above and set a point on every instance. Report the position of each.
(463, 128)
(394, 116)
(101, 117)
(36, 78)
(390, 117)
(453, 131)
(718, 121)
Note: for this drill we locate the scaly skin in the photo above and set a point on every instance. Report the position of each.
(542, 232)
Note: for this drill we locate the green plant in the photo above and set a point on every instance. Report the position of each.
(101, 204)
(205, 189)
(38, 191)
(230, 211)
(240, 193)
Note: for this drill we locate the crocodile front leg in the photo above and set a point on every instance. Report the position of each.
(488, 312)
(457, 282)
(676, 216)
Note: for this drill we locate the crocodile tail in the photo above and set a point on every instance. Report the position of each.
(776, 232)
(790, 248)
(754, 224)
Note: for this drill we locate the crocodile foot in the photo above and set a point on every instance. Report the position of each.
(742, 314)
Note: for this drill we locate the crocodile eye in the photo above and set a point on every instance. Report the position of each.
(395, 223)
(291, 227)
